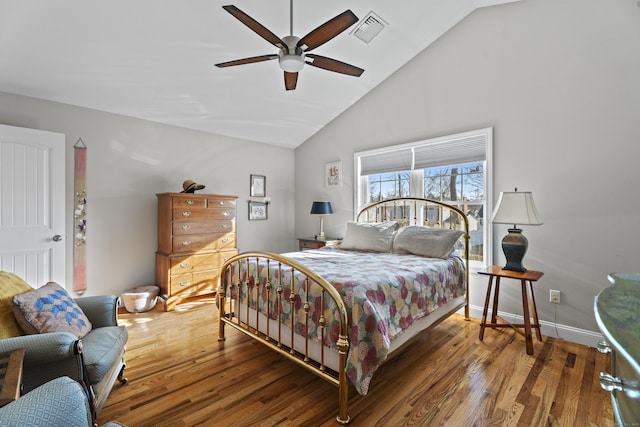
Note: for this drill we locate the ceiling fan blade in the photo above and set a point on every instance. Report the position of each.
(254, 25)
(290, 80)
(327, 31)
(334, 65)
(247, 60)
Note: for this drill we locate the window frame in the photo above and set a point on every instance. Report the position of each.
(417, 180)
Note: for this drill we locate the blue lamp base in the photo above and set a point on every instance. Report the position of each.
(514, 246)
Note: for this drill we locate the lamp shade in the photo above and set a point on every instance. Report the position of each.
(516, 207)
(321, 208)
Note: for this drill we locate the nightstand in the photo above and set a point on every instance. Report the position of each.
(312, 243)
(524, 328)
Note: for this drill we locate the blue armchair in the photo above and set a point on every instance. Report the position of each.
(58, 403)
(96, 360)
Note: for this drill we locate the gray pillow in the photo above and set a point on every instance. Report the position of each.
(367, 236)
(426, 241)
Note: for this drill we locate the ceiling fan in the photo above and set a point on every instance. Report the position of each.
(293, 53)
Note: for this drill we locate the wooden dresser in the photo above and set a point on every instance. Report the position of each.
(617, 311)
(196, 234)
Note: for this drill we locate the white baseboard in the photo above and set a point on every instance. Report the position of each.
(550, 329)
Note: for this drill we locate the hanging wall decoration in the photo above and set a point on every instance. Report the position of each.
(80, 218)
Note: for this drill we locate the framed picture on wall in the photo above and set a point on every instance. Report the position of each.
(258, 186)
(257, 210)
(333, 175)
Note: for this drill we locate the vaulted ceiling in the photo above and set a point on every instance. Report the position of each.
(154, 59)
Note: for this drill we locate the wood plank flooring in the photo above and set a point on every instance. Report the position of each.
(180, 375)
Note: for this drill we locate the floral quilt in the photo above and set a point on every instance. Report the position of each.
(384, 294)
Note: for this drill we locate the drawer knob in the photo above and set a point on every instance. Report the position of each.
(225, 225)
(603, 346)
(225, 240)
(221, 202)
(184, 283)
(225, 213)
(184, 264)
(186, 227)
(186, 214)
(186, 243)
(190, 202)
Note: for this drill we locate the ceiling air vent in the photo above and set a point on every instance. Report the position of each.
(369, 27)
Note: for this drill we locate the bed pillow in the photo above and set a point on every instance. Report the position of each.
(367, 236)
(426, 241)
(50, 309)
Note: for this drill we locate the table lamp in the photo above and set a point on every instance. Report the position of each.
(515, 207)
(322, 209)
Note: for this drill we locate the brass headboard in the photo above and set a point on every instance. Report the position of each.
(422, 212)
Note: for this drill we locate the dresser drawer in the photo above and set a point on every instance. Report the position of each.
(221, 203)
(188, 214)
(198, 242)
(190, 263)
(182, 202)
(195, 227)
(203, 282)
(308, 244)
(200, 262)
(225, 255)
(311, 243)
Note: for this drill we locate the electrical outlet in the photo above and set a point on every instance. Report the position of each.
(554, 296)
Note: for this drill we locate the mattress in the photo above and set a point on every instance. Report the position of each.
(389, 298)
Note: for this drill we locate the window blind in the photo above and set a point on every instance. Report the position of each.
(455, 151)
(452, 152)
(388, 161)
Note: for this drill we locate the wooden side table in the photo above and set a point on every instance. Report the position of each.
(312, 243)
(10, 375)
(522, 328)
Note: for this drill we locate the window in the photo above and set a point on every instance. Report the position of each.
(386, 185)
(454, 169)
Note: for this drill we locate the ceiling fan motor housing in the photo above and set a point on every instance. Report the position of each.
(291, 57)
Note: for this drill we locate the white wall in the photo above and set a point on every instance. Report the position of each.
(559, 80)
(129, 161)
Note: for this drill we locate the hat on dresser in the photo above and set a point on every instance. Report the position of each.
(190, 186)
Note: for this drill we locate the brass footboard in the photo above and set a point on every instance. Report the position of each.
(246, 281)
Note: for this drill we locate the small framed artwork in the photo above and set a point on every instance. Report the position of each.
(258, 187)
(257, 210)
(333, 175)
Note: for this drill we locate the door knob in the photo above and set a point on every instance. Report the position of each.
(57, 238)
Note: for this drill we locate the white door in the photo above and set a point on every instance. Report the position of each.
(32, 214)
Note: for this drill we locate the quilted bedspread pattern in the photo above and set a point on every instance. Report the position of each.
(384, 294)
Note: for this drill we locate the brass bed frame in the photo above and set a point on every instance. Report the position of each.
(408, 210)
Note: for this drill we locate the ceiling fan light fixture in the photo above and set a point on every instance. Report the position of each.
(291, 63)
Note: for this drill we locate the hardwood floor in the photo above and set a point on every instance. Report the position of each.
(180, 375)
